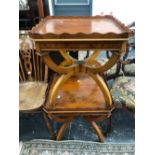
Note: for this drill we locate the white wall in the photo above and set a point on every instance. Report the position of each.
(50, 7)
(124, 10)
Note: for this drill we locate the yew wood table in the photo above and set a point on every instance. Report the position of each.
(79, 90)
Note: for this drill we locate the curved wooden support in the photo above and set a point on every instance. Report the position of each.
(98, 131)
(93, 56)
(103, 87)
(93, 63)
(65, 63)
(51, 64)
(54, 89)
(115, 57)
(67, 57)
(62, 131)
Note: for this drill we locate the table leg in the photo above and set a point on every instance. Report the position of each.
(62, 130)
(98, 131)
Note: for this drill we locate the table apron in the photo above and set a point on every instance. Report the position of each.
(79, 45)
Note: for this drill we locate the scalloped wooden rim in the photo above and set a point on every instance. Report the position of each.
(79, 36)
(36, 35)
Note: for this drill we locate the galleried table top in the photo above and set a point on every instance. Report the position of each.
(76, 27)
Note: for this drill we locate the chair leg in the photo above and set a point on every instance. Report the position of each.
(98, 131)
(62, 131)
(49, 126)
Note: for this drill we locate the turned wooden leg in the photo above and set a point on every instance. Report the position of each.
(49, 126)
(62, 130)
(98, 131)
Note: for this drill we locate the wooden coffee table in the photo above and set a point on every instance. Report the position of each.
(79, 90)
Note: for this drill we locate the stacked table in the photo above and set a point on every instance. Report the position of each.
(79, 90)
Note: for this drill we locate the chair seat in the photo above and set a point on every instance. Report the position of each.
(31, 95)
(123, 91)
(129, 69)
(79, 93)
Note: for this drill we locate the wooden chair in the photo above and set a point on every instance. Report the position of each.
(33, 77)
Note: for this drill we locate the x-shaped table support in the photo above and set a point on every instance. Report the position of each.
(71, 66)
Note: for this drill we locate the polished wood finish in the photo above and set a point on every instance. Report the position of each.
(79, 90)
(73, 95)
(78, 27)
(62, 130)
(98, 131)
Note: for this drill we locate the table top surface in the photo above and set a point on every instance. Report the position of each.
(79, 27)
